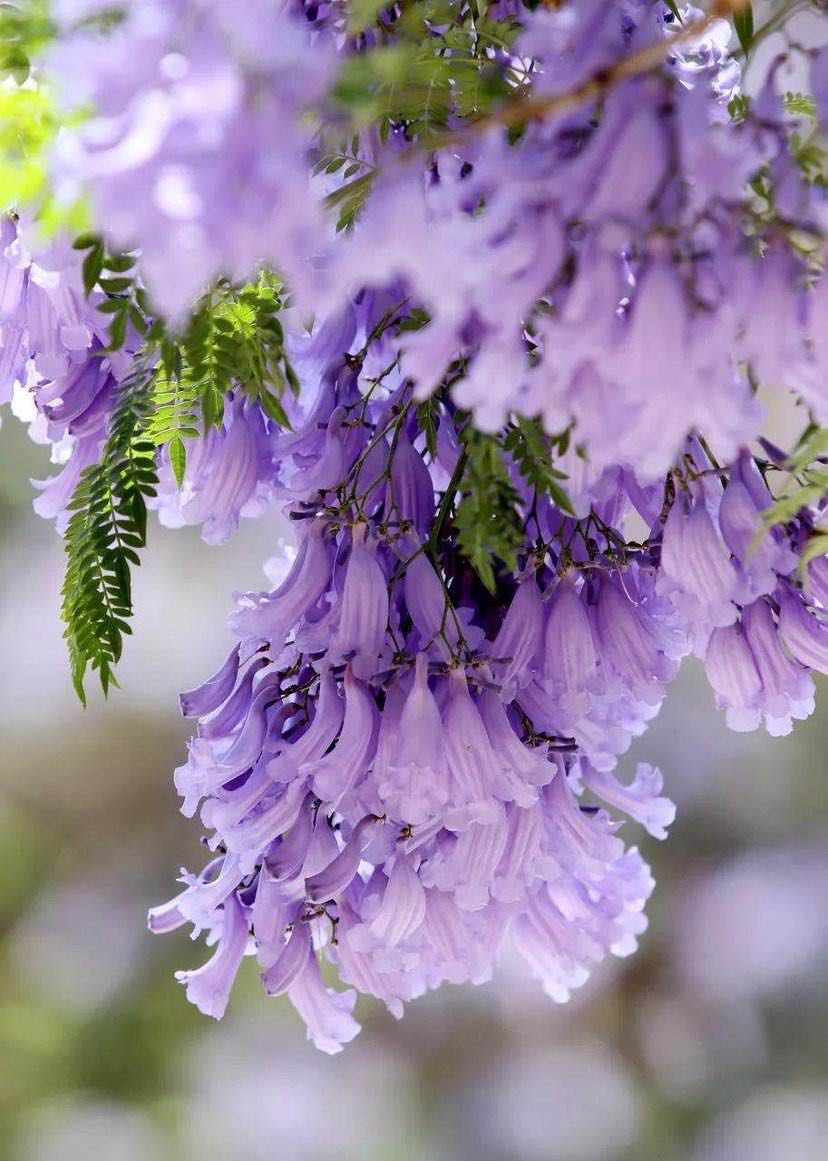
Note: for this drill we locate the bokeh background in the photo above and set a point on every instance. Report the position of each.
(710, 1045)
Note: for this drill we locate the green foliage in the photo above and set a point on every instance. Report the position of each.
(738, 106)
(107, 528)
(812, 486)
(438, 66)
(816, 546)
(363, 13)
(114, 274)
(490, 517)
(27, 125)
(25, 29)
(812, 444)
(744, 25)
(488, 521)
(800, 105)
(531, 450)
(234, 340)
(810, 154)
(357, 177)
(808, 486)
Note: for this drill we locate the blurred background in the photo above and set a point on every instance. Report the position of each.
(710, 1045)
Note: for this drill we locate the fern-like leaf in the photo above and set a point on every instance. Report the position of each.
(487, 519)
(107, 528)
(234, 341)
(531, 450)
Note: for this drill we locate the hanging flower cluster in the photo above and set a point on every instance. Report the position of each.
(386, 760)
(401, 770)
(519, 440)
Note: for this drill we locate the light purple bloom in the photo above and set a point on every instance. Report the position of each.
(787, 688)
(732, 673)
(363, 617)
(696, 568)
(208, 987)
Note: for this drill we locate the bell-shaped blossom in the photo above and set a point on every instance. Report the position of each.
(641, 799)
(208, 987)
(326, 1012)
(696, 568)
(472, 761)
(802, 631)
(731, 670)
(414, 783)
(229, 474)
(787, 688)
(630, 641)
(363, 617)
(273, 614)
(516, 646)
(339, 771)
(174, 125)
(214, 691)
(571, 657)
(411, 487)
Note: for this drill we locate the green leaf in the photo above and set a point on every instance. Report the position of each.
(743, 23)
(92, 267)
(178, 457)
(531, 449)
(362, 13)
(107, 525)
(489, 527)
(816, 546)
(813, 443)
(234, 342)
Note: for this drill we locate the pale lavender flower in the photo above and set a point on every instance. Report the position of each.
(208, 987)
(229, 475)
(802, 631)
(176, 120)
(363, 616)
(734, 677)
(696, 568)
(787, 688)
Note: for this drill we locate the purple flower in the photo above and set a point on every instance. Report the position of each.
(734, 677)
(641, 799)
(696, 569)
(176, 122)
(787, 688)
(229, 475)
(413, 782)
(819, 82)
(326, 1012)
(272, 615)
(363, 617)
(571, 657)
(411, 487)
(802, 631)
(516, 646)
(630, 640)
(339, 771)
(208, 987)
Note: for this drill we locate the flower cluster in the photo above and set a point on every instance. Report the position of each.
(197, 152)
(523, 458)
(54, 357)
(386, 759)
(401, 771)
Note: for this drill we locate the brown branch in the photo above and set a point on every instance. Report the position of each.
(643, 61)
